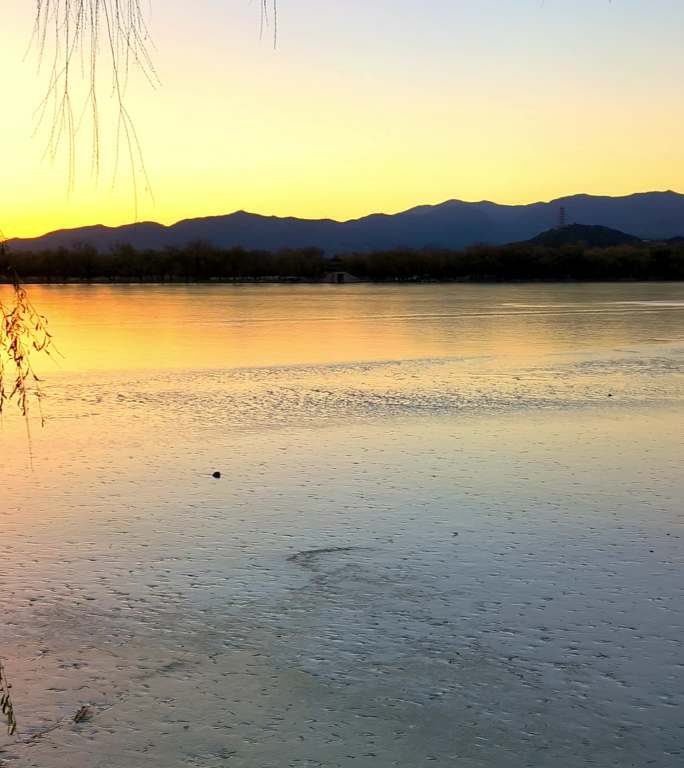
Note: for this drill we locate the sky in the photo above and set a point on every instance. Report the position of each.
(363, 106)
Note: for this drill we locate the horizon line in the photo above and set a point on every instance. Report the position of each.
(344, 221)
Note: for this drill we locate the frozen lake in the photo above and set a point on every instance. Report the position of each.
(448, 529)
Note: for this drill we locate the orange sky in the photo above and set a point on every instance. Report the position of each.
(363, 109)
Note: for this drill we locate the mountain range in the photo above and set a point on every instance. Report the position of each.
(453, 224)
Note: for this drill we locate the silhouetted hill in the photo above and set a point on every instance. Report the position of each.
(593, 236)
(453, 224)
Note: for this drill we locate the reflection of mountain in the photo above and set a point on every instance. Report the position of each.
(454, 224)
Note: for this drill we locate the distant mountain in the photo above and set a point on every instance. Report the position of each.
(454, 224)
(592, 235)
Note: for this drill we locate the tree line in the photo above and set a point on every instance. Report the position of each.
(200, 262)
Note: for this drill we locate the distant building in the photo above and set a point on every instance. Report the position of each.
(561, 217)
(338, 278)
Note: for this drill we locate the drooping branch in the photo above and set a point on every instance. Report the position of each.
(6, 706)
(82, 40)
(23, 333)
(269, 16)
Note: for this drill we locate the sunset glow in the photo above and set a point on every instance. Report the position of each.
(341, 365)
(366, 107)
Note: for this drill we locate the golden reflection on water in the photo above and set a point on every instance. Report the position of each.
(126, 562)
(225, 326)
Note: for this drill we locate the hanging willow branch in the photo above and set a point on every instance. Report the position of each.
(80, 40)
(269, 13)
(76, 41)
(23, 333)
(6, 705)
(70, 35)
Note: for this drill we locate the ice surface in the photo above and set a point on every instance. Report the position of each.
(469, 557)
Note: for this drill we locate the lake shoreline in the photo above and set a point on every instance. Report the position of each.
(357, 281)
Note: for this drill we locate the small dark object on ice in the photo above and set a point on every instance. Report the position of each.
(217, 475)
(83, 714)
(610, 394)
(455, 533)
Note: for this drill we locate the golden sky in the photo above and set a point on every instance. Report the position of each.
(365, 107)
